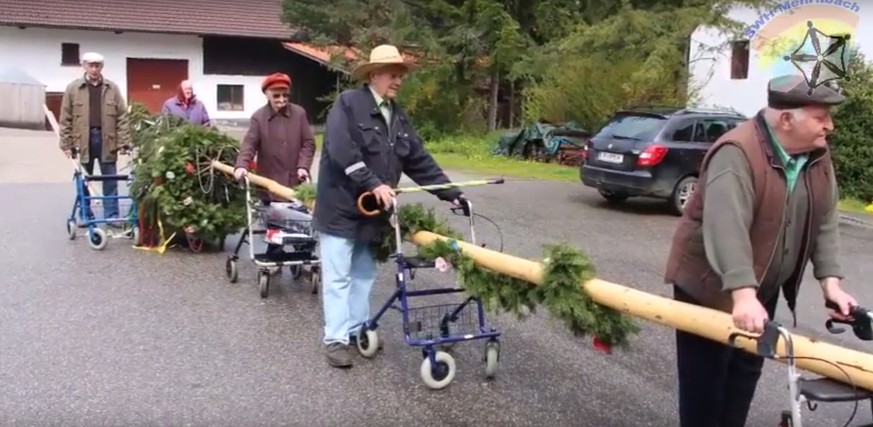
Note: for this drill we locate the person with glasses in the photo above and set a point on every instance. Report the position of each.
(280, 135)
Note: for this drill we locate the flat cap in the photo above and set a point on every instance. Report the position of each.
(792, 91)
(92, 58)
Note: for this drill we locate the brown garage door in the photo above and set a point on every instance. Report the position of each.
(53, 101)
(153, 81)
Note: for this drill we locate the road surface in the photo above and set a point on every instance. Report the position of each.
(127, 337)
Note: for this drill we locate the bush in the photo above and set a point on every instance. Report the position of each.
(588, 89)
(851, 141)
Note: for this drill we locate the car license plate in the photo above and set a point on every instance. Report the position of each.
(610, 157)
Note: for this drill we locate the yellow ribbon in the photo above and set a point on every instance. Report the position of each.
(164, 242)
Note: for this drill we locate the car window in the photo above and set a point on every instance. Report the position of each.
(688, 132)
(632, 126)
(715, 128)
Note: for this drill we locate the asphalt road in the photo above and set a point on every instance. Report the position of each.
(126, 337)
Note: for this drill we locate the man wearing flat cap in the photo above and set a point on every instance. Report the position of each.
(766, 207)
(280, 136)
(369, 142)
(94, 127)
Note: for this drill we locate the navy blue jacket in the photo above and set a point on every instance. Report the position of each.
(358, 155)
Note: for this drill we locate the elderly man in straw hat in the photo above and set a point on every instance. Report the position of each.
(369, 142)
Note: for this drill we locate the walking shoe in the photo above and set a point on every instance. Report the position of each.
(339, 355)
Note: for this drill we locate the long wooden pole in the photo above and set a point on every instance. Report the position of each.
(811, 355)
(268, 184)
(814, 356)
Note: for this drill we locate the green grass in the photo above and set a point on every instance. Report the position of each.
(853, 205)
(473, 154)
(493, 166)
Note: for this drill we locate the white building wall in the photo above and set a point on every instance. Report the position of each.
(37, 51)
(711, 68)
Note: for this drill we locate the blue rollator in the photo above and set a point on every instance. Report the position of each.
(434, 328)
(87, 216)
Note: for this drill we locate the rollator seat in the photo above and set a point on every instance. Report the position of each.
(418, 262)
(828, 390)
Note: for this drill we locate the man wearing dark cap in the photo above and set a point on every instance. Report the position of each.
(280, 136)
(766, 206)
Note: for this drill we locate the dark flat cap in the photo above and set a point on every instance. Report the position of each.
(792, 91)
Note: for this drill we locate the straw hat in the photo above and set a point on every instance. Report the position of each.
(381, 56)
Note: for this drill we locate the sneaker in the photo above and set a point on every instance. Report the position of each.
(339, 355)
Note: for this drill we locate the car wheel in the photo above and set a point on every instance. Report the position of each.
(682, 194)
(613, 196)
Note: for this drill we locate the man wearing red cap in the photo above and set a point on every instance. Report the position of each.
(280, 136)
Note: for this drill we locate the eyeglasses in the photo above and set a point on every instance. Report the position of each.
(280, 95)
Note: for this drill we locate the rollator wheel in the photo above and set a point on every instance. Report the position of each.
(97, 239)
(492, 357)
(439, 376)
(314, 281)
(71, 229)
(136, 236)
(264, 283)
(230, 270)
(368, 342)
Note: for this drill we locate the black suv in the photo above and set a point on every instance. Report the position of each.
(653, 152)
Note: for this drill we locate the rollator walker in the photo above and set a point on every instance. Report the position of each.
(87, 199)
(285, 224)
(817, 390)
(433, 328)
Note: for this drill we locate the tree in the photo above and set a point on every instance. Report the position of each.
(636, 51)
(850, 142)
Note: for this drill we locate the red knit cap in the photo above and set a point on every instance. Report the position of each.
(276, 80)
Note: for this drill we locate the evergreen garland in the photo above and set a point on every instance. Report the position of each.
(565, 269)
(174, 184)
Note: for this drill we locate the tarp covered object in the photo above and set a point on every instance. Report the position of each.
(541, 138)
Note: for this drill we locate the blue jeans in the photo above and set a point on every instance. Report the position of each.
(348, 274)
(110, 187)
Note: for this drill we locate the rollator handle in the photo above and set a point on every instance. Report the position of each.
(465, 209)
(767, 341)
(859, 320)
(368, 205)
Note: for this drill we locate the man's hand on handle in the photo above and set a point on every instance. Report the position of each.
(832, 291)
(384, 194)
(748, 313)
(302, 174)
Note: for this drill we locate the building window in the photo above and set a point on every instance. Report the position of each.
(69, 54)
(740, 60)
(230, 98)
